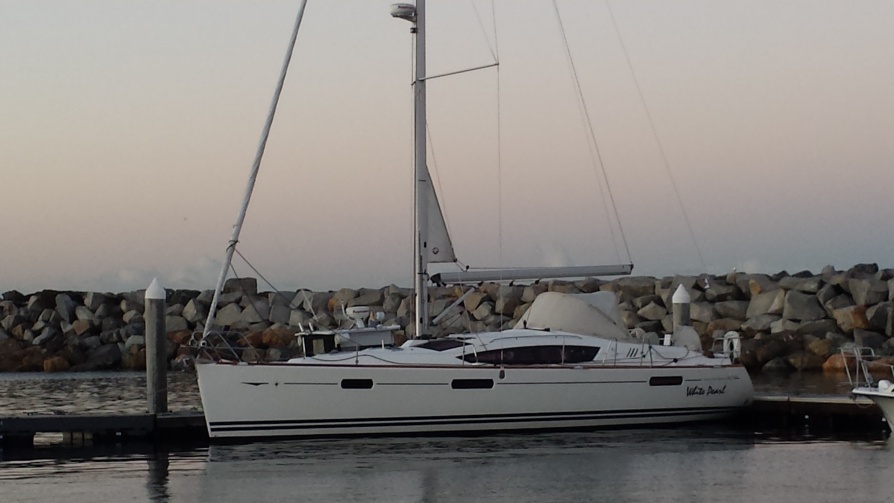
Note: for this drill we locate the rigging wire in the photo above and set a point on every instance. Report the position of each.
(499, 148)
(661, 151)
(597, 160)
(256, 166)
(275, 289)
(493, 52)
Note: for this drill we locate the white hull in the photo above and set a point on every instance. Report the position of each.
(297, 400)
(885, 400)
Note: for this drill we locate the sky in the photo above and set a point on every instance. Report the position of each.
(127, 131)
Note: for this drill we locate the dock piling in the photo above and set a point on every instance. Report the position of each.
(156, 350)
(680, 301)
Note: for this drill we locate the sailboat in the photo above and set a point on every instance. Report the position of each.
(569, 363)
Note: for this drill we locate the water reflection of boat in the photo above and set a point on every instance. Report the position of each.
(556, 467)
(569, 363)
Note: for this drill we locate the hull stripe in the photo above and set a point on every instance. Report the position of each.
(233, 426)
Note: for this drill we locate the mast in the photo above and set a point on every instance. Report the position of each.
(253, 176)
(416, 15)
(420, 172)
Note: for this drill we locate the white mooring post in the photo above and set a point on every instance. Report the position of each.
(681, 307)
(156, 349)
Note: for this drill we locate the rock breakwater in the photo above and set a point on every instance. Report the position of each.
(788, 321)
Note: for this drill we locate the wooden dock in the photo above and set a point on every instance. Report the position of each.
(91, 429)
(818, 413)
(832, 414)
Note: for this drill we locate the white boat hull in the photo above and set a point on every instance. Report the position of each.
(300, 400)
(885, 400)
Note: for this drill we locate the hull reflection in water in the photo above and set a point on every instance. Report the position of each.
(679, 465)
(683, 464)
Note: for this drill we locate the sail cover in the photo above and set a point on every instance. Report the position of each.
(590, 314)
(440, 248)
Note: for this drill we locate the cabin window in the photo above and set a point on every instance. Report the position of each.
(472, 384)
(666, 381)
(356, 383)
(441, 344)
(535, 355)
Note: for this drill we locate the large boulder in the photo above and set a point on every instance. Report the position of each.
(391, 303)
(822, 347)
(507, 301)
(759, 324)
(299, 318)
(175, 323)
(564, 287)
(252, 314)
(724, 325)
(8, 323)
(183, 296)
(66, 306)
(635, 286)
(806, 361)
(735, 309)
(881, 317)
(718, 291)
(55, 364)
(783, 325)
(312, 302)
(13, 296)
(802, 307)
(484, 311)
(811, 284)
(107, 356)
(195, 311)
(839, 364)
(279, 314)
(838, 302)
(756, 284)
(84, 313)
(340, 298)
(587, 285)
(869, 291)
(701, 311)
(277, 337)
(850, 318)
(367, 297)
(826, 293)
(769, 302)
(474, 299)
(869, 339)
(228, 315)
(818, 328)
(134, 340)
(652, 312)
(247, 286)
(769, 349)
(437, 307)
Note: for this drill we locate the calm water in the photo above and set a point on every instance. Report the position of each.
(693, 464)
(676, 465)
